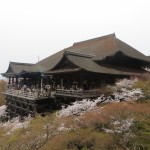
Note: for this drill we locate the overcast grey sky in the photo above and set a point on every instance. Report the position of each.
(32, 28)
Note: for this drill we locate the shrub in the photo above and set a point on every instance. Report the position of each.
(144, 84)
(2, 88)
(125, 122)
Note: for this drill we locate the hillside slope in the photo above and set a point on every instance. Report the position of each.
(116, 122)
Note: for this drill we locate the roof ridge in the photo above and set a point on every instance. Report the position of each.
(98, 38)
(19, 63)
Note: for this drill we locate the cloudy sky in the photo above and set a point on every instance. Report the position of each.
(38, 28)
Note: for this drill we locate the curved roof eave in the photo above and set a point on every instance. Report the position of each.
(89, 65)
(130, 51)
(15, 68)
(49, 62)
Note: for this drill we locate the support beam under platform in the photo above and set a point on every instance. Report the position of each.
(22, 106)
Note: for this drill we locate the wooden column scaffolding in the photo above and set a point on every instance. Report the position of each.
(17, 106)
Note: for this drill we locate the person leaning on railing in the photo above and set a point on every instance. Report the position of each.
(48, 90)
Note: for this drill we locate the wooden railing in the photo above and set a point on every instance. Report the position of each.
(37, 94)
(32, 95)
(78, 93)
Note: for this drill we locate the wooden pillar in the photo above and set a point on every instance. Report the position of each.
(61, 82)
(35, 108)
(12, 80)
(9, 82)
(16, 80)
(41, 84)
(24, 81)
(15, 103)
(28, 108)
(21, 109)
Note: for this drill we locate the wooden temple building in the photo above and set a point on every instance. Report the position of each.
(76, 72)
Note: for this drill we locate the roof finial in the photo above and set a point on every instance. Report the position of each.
(114, 34)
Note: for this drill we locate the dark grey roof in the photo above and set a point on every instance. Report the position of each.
(85, 55)
(106, 46)
(130, 51)
(49, 62)
(88, 64)
(100, 48)
(16, 67)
